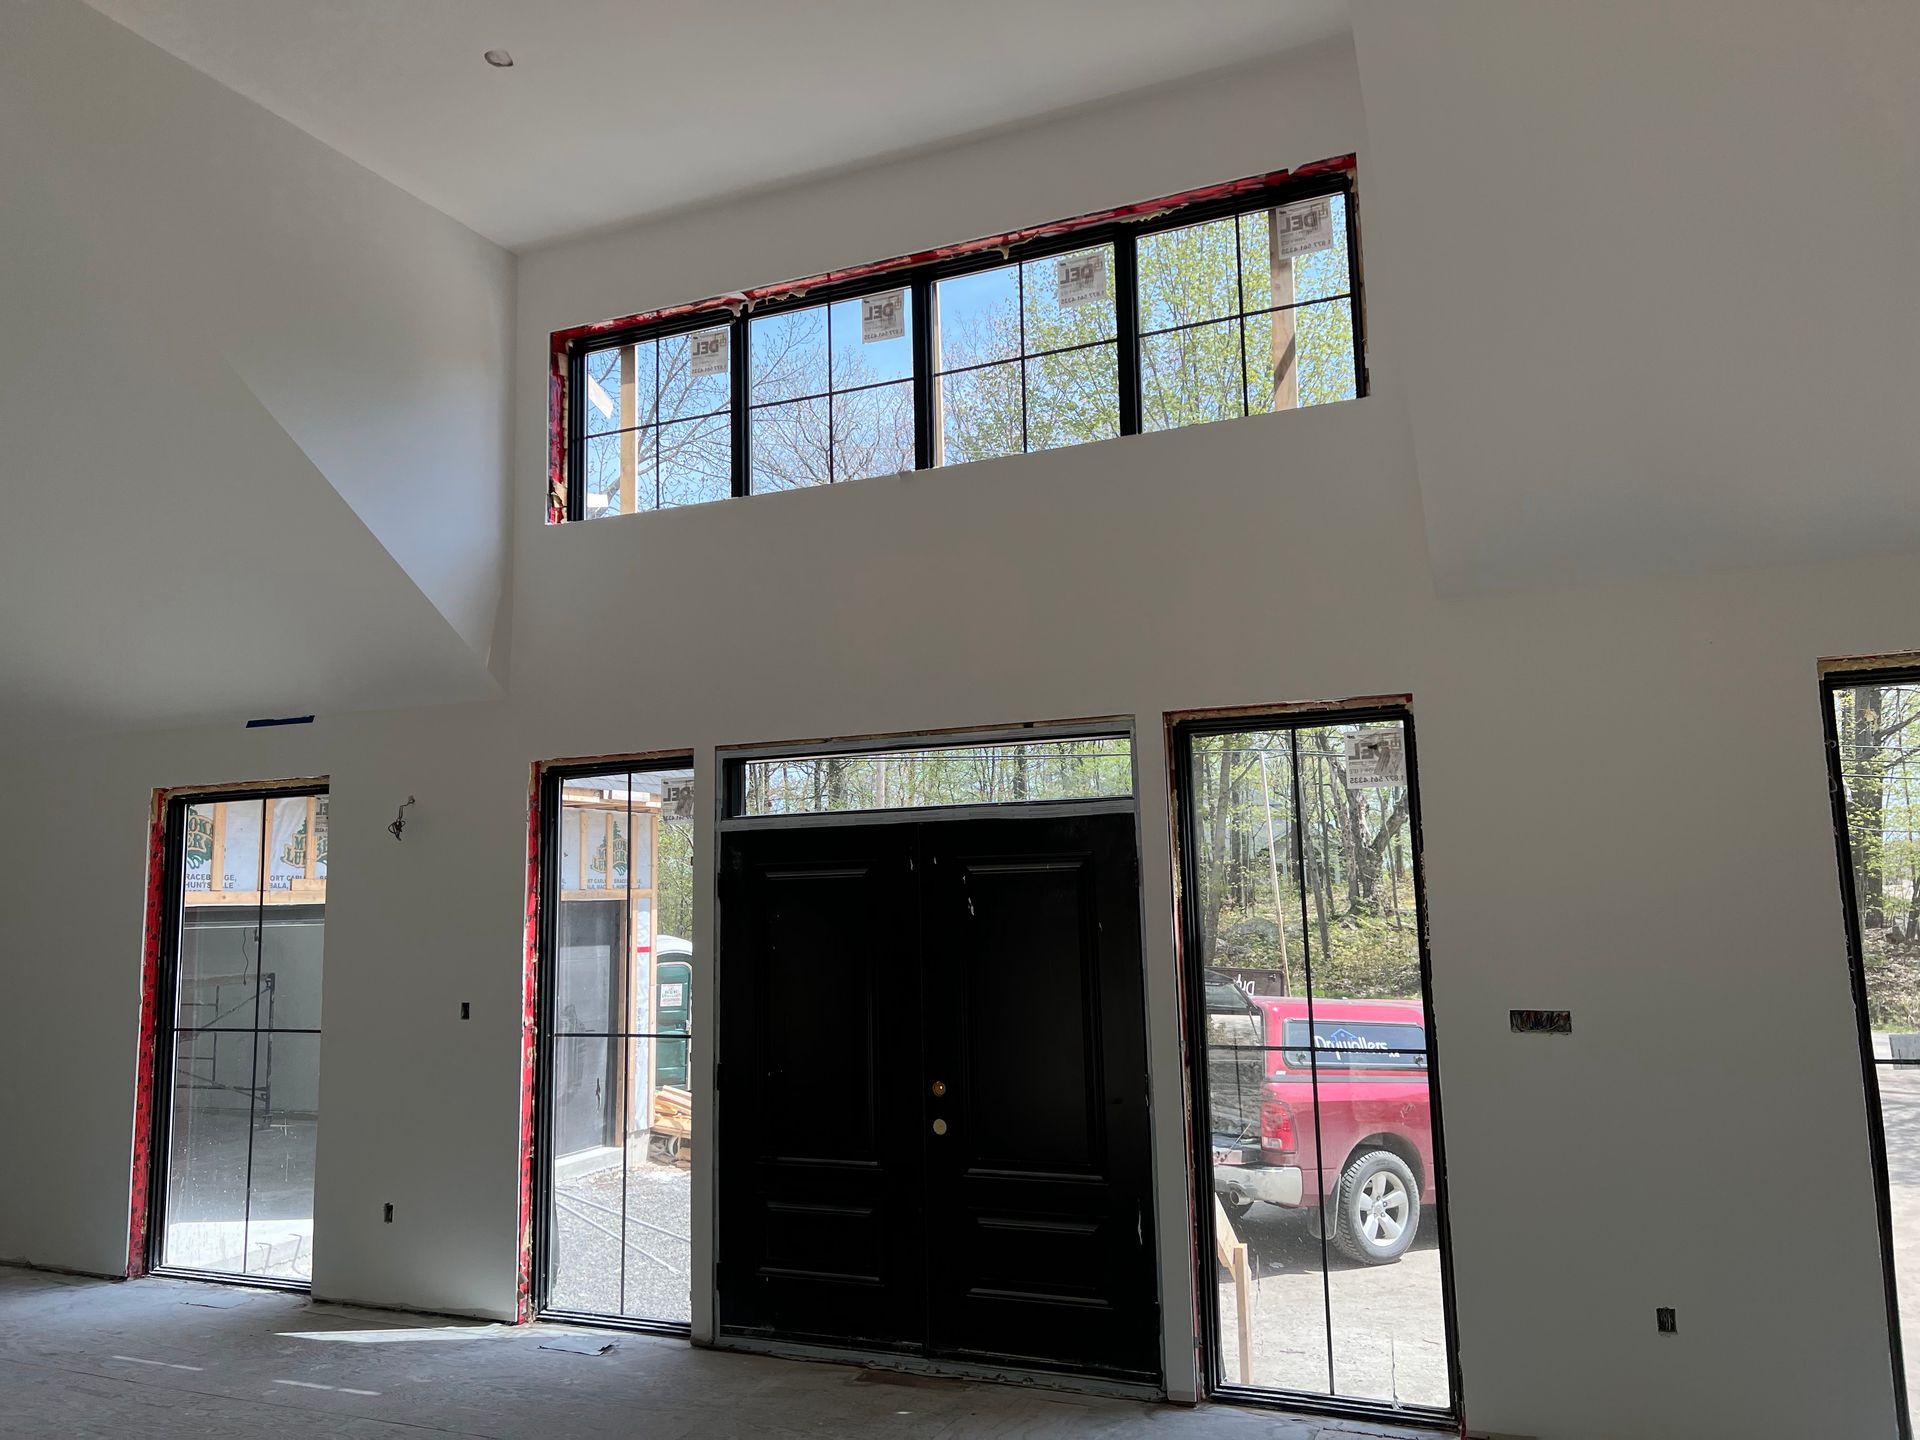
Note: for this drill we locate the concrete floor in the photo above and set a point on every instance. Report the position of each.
(163, 1358)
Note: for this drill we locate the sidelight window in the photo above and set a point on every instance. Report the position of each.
(1325, 1271)
(616, 1003)
(238, 1115)
(1873, 750)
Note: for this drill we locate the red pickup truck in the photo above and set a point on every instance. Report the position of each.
(1371, 1161)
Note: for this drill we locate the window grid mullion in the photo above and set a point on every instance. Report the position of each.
(738, 424)
(1240, 311)
(1126, 302)
(1020, 299)
(923, 376)
(827, 311)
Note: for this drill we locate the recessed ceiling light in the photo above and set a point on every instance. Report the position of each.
(499, 59)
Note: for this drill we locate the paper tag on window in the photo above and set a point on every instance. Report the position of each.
(709, 351)
(883, 316)
(597, 393)
(1304, 228)
(1078, 279)
(1376, 758)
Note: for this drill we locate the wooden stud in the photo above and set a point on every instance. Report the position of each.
(1286, 359)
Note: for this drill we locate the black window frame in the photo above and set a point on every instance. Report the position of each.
(167, 1026)
(1182, 729)
(1835, 680)
(543, 1149)
(920, 279)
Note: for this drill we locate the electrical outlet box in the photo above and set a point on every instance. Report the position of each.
(388, 1213)
(1663, 1317)
(1541, 1022)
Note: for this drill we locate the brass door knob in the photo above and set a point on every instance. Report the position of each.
(939, 1087)
(939, 1127)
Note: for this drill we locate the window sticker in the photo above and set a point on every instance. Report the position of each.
(883, 316)
(1304, 228)
(1376, 757)
(709, 350)
(1080, 279)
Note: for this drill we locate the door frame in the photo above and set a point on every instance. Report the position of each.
(1850, 675)
(538, 1149)
(1181, 728)
(160, 985)
(725, 816)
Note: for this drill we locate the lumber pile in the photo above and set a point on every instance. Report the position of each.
(673, 1112)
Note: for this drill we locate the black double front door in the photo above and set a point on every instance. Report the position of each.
(933, 1130)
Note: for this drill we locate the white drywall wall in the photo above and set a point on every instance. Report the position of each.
(1595, 760)
(1649, 269)
(252, 269)
(1571, 744)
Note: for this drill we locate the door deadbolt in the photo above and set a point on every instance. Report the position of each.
(939, 1087)
(939, 1127)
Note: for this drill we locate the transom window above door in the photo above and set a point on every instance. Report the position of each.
(1045, 768)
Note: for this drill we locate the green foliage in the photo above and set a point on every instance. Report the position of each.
(673, 897)
(1879, 734)
(1368, 958)
(962, 775)
(1282, 829)
(1206, 350)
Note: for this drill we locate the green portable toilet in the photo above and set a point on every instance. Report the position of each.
(673, 1009)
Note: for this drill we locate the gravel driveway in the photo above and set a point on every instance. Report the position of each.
(659, 1257)
(1389, 1331)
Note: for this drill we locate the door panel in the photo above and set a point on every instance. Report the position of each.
(1024, 992)
(818, 1145)
(1039, 1216)
(999, 962)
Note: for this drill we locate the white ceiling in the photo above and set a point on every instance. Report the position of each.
(616, 109)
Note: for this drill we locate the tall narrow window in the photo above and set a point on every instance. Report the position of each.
(1314, 1062)
(616, 986)
(1873, 747)
(248, 877)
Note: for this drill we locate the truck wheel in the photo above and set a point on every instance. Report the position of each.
(1379, 1208)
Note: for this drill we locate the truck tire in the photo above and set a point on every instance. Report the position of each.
(1378, 1209)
